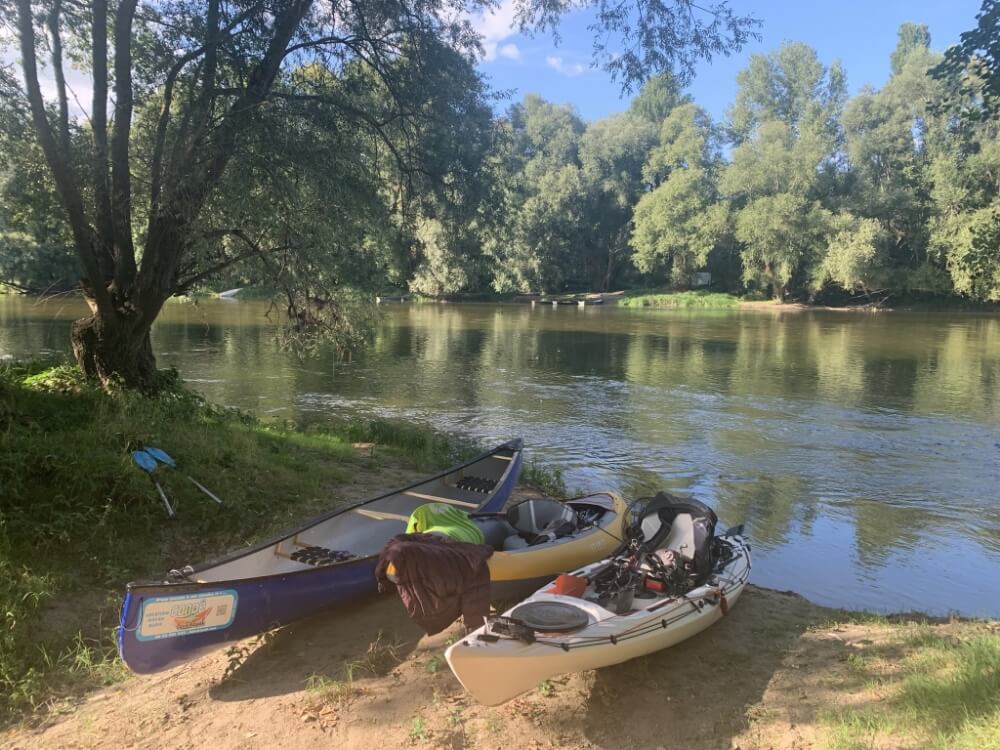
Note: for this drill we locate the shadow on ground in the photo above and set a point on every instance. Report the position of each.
(371, 636)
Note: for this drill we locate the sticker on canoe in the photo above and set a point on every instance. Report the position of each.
(173, 616)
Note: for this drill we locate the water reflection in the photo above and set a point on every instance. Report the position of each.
(861, 450)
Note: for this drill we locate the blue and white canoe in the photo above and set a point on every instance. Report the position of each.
(330, 560)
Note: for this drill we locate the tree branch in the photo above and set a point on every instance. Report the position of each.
(255, 251)
(59, 73)
(121, 182)
(163, 122)
(99, 123)
(69, 194)
(186, 199)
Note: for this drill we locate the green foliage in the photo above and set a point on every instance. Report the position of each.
(547, 479)
(401, 177)
(913, 37)
(682, 220)
(691, 300)
(850, 256)
(790, 85)
(785, 124)
(972, 67)
(970, 243)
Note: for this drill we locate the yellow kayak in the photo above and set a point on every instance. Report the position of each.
(536, 540)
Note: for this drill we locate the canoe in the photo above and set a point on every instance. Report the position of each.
(329, 560)
(516, 573)
(551, 634)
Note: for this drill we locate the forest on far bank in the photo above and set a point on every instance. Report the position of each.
(802, 192)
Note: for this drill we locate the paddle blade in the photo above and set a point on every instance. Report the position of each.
(162, 456)
(144, 461)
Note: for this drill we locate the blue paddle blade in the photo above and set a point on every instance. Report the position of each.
(162, 456)
(144, 461)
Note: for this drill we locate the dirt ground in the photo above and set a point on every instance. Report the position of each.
(365, 677)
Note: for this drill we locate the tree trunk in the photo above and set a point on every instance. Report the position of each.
(114, 351)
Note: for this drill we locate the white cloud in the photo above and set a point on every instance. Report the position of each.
(494, 26)
(567, 69)
(510, 51)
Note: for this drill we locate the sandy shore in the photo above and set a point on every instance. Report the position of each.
(761, 678)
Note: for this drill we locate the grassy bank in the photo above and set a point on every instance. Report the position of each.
(935, 687)
(78, 520)
(691, 300)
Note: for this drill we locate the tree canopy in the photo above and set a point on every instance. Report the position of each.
(310, 143)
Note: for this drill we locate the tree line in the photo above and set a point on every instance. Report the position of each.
(800, 192)
(326, 150)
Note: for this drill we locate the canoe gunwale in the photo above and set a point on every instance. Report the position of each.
(515, 445)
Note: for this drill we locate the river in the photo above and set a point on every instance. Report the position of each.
(862, 450)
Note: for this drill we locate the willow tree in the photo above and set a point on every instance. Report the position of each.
(211, 70)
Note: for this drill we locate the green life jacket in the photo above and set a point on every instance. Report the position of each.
(441, 518)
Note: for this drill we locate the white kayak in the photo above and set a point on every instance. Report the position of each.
(510, 655)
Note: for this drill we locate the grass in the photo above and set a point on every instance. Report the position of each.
(933, 691)
(418, 730)
(78, 520)
(691, 300)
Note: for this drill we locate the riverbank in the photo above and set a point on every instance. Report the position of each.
(778, 673)
(78, 520)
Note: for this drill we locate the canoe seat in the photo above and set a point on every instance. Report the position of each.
(320, 556)
(476, 484)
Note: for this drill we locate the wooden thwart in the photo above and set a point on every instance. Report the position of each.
(436, 499)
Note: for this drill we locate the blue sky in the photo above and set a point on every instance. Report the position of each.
(860, 33)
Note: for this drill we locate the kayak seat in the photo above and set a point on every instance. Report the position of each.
(541, 521)
(495, 530)
(680, 538)
(476, 484)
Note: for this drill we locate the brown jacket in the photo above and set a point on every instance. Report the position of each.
(438, 579)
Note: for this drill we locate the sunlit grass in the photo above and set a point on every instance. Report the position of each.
(942, 693)
(681, 300)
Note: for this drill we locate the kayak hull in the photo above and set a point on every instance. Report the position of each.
(495, 672)
(200, 608)
(519, 573)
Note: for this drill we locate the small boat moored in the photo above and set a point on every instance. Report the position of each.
(527, 555)
(327, 561)
(670, 583)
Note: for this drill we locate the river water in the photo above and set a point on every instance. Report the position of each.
(862, 450)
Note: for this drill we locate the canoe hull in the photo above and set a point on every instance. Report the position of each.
(163, 624)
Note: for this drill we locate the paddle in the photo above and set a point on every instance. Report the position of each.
(147, 463)
(164, 458)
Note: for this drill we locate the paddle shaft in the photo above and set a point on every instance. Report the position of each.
(163, 496)
(164, 458)
(203, 488)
